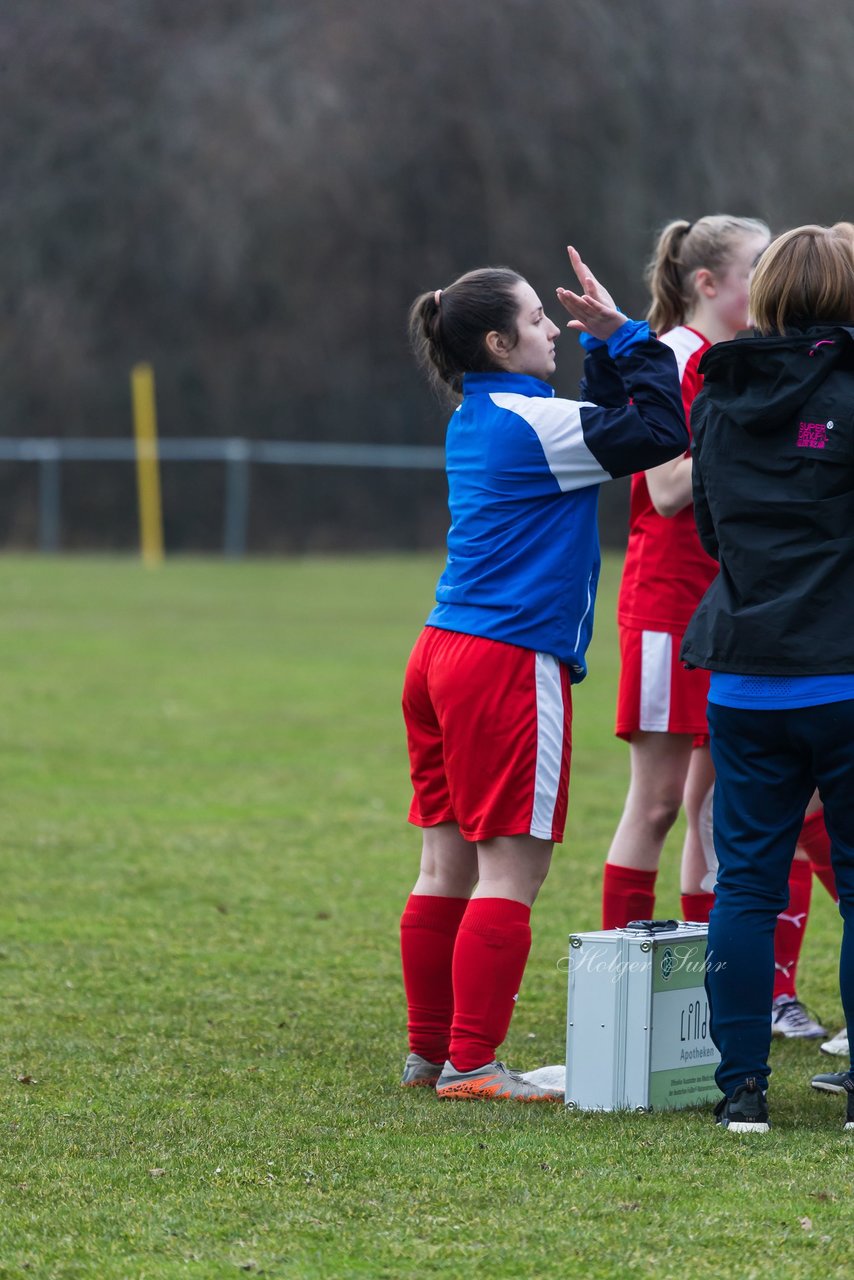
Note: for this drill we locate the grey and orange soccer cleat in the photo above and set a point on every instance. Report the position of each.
(493, 1082)
(418, 1073)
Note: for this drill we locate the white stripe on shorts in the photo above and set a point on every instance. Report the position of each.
(549, 744)
(656, 660)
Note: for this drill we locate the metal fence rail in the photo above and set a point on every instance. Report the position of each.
(235, 453)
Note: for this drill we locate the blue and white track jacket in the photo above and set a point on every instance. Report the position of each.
(524, 469)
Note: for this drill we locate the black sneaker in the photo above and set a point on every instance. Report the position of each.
(831, 1081)
(849, 1112)
(747, 1111)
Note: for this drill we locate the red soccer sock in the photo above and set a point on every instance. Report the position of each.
(489, 961)
(789, 933)
(696, 906)
(428, 930)
(815, 843)
(627, 894)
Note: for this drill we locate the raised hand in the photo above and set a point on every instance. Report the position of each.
(594, 311)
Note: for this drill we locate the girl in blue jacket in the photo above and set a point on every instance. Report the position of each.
(487, 691)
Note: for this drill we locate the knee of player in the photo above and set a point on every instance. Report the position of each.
(658, 813)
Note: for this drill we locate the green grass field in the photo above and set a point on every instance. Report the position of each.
(204, 858)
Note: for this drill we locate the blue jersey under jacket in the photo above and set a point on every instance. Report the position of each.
(524, 469)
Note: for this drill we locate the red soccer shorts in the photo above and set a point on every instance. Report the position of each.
(656, 693)
(489, 732)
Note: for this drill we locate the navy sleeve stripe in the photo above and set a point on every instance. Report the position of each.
(651, 429)
(601, 382)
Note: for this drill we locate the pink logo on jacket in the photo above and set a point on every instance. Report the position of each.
(813, 435)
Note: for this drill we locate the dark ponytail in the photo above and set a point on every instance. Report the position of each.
(447, 327)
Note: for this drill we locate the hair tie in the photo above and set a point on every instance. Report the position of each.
(436, 296)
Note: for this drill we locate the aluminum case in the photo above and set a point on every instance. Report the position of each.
(637, 1032)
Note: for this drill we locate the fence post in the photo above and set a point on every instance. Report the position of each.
(147, 471)
(236, 498)
(49, 496)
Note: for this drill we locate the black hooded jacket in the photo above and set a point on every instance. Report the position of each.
(773, 451)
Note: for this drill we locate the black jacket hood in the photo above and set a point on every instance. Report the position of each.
(759, 383)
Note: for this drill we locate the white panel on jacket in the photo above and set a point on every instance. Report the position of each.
(557, 424)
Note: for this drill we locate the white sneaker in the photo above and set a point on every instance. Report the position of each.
(789, 1018)
(549, 1077)
(837, 1046)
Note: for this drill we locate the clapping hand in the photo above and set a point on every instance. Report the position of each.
(594, 311)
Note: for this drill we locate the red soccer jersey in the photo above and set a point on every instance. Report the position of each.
(666, 570)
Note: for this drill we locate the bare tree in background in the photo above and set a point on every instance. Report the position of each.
(249, 194)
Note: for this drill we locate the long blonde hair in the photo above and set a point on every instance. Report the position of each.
(684, 248)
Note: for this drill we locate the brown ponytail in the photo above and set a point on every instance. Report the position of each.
(447, 327)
